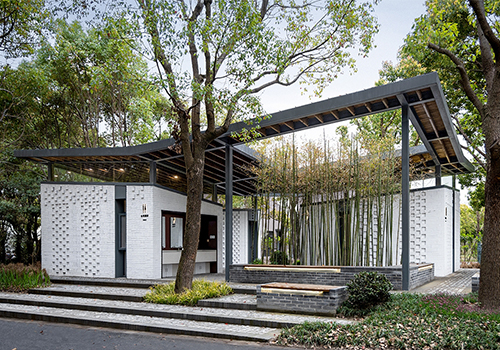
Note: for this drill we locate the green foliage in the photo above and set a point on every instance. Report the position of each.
(19, 277)
(315, 199)
(257, 262)
(279, 258)
(471, 227)
(21, 25)
(164, 293)
(366, 290)
(408, 321)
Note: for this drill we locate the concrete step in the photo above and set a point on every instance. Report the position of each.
(229, 316)
(139, 323)
(249, 325)
(134, 283)
(233, 301)
(92, 292)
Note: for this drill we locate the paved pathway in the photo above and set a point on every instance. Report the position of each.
(459, 282)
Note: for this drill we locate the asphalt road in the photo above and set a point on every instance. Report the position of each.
(36, 335)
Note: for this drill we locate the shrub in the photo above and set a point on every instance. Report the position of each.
(366, 290)
(201, 289)
(278, 258)
(257, 262)
(19, 277)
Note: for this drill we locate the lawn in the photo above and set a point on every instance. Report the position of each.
(408, 321)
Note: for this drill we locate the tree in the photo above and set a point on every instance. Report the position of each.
(21, 23)
(463, 38)
(234, 49)
(471, 226)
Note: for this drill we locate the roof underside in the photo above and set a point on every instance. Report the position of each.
(428, 113)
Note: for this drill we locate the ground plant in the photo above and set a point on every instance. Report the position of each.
(408, 321)
(164, 293)
(19, 277)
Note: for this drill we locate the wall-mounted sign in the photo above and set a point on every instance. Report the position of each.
(144, 214)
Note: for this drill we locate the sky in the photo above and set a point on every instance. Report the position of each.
(395, 18)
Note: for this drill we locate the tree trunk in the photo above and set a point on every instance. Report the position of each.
(194, 174)
(489, 286)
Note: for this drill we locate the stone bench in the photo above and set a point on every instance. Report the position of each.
(300, 298)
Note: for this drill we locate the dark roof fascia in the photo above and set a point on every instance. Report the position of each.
(340, 102)
(437, 90)
(93, 152)
(128, 151)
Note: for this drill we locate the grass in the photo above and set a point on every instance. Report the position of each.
(19, 277)
(164, 293)
(408, 321)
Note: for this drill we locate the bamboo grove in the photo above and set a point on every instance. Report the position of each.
(331, 204)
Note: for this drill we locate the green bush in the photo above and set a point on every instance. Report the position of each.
(19, 277)
(366, 290)
(257, 262)
(201, 289)
(278, 258)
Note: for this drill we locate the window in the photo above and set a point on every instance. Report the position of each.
(172, 229)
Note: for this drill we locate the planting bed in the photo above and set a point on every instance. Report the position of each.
(326, 275)
(300, 298)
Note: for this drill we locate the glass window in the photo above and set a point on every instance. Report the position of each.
(123, 231)
(176, 229)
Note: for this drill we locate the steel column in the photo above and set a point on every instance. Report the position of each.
(229, 209)
(453, 233)
(437, 175)
(152, 172)
(405, 194)
(50, 171)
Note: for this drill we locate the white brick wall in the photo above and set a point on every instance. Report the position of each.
(78, 230)
(144, 233)
(431, 229)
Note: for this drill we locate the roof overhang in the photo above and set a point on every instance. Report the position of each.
(428, 112)
(423, 94)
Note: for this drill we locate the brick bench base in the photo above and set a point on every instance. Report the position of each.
(300, 298)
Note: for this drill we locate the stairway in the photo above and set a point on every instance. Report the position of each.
(117, 303)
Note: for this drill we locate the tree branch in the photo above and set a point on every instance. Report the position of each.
(478, 7)
(464, 77)
(458, 125)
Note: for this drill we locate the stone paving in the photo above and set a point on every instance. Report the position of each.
(459, 282)
(225, 321)
(207, 311)
(146, 321)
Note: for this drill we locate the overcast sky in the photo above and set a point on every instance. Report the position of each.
(396, 18)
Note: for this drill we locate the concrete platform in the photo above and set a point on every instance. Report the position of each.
(116, 303)
(112, 305)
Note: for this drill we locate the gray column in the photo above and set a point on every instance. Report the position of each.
(453, 233)
(229, 209)
(152, 172)
(437, 175)
(405, 194)
(50, 171)
(214, 193)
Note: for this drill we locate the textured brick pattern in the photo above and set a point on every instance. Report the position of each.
(238, 274)
(326, 304)
(78, 230)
